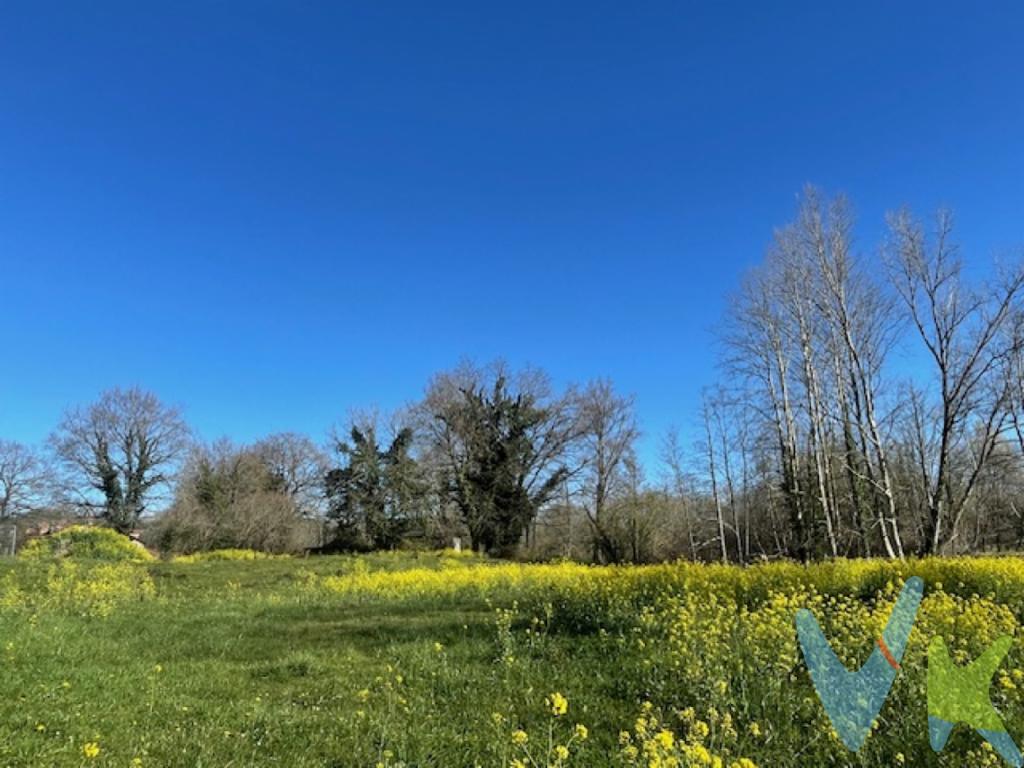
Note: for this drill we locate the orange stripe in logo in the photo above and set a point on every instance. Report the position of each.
(888, 656)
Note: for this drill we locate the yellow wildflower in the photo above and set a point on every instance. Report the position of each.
(558, 704)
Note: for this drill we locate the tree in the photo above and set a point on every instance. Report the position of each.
(678, 488)
(760, 357)
(808, 340)
(298, 467)
(376, 493)
(228, 496)
(964, 333)
(499, 443)
(120, 450)
(792, 255)
(608, 433)
(23, 478)
(859, 313)
(711, 417)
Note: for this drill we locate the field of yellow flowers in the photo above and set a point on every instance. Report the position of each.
(111, 658)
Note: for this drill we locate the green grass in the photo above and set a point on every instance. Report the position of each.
(233, 664)
(277, 662)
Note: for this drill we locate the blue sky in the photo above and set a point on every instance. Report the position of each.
(271, 213)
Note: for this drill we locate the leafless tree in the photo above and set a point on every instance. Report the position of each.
(23, 478)
(759, 356)
(680, 488)
(859, 316)
(806, 343)
(963, 331)
(608, 432)
(711, 421)
(229, 496)
(792, 257)
(119, 451)
(298, 467)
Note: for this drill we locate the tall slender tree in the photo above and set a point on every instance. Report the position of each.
(608, 431)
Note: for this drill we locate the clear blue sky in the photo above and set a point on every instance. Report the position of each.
(271, 213)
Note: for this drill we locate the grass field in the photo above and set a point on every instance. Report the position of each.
(446, 660)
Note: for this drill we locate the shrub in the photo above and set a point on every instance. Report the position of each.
(87, 543)
(93, 589)
(228, 498)
(226, 554)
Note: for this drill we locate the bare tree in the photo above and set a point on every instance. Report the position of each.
(797, 280)
(860, 461)
(23, 478)
(759, 356)
(119, 451)
(679, 487)
(228, 496)
(963, 331)
(710, 418)
(298, 467)
(608, 432)
(859, 316)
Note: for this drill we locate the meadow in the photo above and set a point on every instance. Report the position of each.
(111, 658)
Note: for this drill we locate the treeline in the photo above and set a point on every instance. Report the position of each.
(482, 458)
(870, 404)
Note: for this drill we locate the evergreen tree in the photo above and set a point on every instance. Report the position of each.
(500, 475)
(375, 494)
